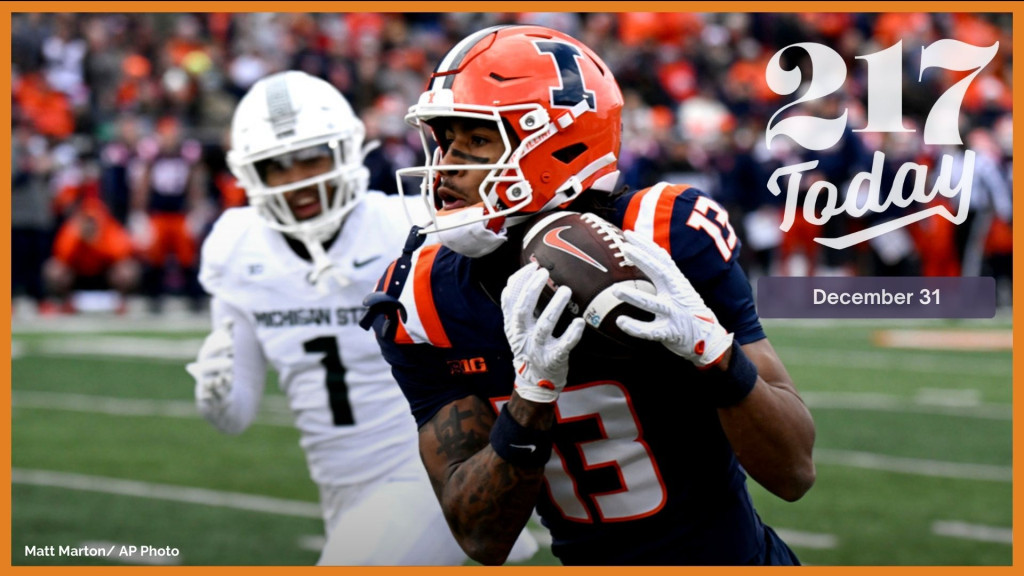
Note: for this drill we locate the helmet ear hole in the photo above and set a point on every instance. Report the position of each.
(569, 153)
(518, 191)
(534, 120)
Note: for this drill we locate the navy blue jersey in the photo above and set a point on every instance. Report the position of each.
(641, 471)
(169, 176)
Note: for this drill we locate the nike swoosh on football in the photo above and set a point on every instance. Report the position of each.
(361, 263)
(530, 447)
(554, 239)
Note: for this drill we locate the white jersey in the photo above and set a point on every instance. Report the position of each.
(356, 427)
(355, 423)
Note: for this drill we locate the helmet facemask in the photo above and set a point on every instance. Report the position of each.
(504, 189)
(555, 105)
(338, 189)
(292, 117)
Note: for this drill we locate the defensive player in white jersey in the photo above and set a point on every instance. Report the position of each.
(287, 276)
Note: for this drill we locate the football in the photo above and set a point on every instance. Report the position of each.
(583, 252)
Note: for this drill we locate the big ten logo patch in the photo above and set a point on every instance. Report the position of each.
(466, 366)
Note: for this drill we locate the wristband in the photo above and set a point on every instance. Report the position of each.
(732, 385)
(519, 445)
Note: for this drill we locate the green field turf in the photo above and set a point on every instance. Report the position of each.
(913, 453)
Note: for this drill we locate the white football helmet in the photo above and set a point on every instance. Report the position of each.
(291, 116)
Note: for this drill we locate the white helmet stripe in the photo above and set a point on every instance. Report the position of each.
(279, 104)
(453, 59)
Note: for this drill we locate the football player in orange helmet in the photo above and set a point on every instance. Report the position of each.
(558, 113)
(638, 457)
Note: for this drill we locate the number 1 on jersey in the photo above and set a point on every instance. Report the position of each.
(337, 389)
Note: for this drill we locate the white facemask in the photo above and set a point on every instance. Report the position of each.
(473, 239)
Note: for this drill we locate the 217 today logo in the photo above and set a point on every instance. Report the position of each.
(884, 114)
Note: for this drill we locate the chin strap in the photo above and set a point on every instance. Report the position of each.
(324, 269)
(384, 310)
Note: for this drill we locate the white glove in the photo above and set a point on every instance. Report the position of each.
(682, 322)
(213, 369)
(541, 361)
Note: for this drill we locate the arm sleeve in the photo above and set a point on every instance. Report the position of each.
(238, 410)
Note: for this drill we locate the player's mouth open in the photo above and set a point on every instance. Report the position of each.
(305, 205)
(450, 201)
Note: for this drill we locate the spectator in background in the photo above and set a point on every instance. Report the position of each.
(64, 56)
(101, 68)
(31, 217)
(985, 240)
(119, 164)
(47, 110)
(999, 246)
(222, 184)
(75, 75)
(166, 215)
(91, 252)
(838, 165)
(385, 125)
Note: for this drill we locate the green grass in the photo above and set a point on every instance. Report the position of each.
(882, 518)
(873, 516)
(202, 535)
(926, 436)
(155, 449)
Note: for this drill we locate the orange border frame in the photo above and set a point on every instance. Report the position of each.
(1016, 8)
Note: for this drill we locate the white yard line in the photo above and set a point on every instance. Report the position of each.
(922, 403)
(118, 346)
(811, 540)
(273, 412)
(276, 412)
(977, 532)
(915, 466)
(252, 503)
(89, 324)
(176, 349)
(187, 495)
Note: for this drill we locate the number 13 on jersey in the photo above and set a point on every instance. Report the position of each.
(618, 444)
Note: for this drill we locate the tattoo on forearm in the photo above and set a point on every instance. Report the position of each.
(456, 441)
(497, 497)
(487, 497)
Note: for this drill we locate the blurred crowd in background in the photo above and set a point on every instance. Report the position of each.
(121, 121)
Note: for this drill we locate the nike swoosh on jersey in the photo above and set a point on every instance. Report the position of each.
(361, 263)
(530, 447)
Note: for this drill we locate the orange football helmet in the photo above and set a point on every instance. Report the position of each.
(553, 100)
